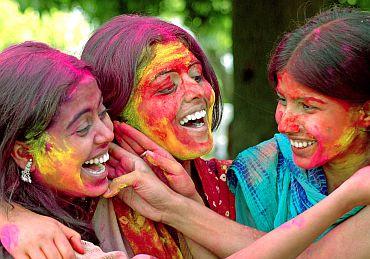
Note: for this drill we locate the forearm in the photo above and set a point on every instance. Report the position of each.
(293, 237)
(211, 230)
(198, 251)
(350, 239)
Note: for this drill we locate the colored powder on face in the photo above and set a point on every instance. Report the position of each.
(165, 53)
(9, 235)
(53, 157)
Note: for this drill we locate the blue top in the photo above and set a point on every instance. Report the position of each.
(270, 189)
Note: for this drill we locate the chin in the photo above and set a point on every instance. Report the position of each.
(307, 163)
(190, 154)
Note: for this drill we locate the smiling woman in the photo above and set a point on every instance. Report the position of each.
(321, 75)
(173, 103)
(55, 132)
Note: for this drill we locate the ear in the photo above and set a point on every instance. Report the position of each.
(364, 120)
(21, 155)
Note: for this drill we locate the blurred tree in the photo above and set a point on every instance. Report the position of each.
(66, 31)
(257, 25)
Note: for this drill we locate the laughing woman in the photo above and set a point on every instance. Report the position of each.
(53, 125)
(320, 73)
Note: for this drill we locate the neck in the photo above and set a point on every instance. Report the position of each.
(346, 164)
(187, 166)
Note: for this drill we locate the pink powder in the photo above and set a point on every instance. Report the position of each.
(9, 235)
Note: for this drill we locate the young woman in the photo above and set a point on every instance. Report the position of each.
(173, 80)
(321, 74)
(55, 133)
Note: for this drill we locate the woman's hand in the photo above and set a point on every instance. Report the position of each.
(161, 162)
(26, 234)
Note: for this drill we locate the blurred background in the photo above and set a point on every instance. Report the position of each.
(237, 35)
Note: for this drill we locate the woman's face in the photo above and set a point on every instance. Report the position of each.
(321, 129)
(70, 155)
(172, 102)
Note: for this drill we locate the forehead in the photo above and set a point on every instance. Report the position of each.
(166, 55)
(85, 94)
(287, 85)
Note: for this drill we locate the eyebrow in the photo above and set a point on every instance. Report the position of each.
(82, 112)
(77, 116)
(195, 62)
(306, 99)
(163, 73)
(313, 99)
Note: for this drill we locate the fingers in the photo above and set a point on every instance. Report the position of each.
(64, 247)
(73, 237)
(168, 165)
(125, 158)
(118, 184)
(124, 144)
(132, 135)
(36, 253)
(50, 250)
(113, 167)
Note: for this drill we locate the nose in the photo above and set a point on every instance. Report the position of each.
(104, 132)
(288, 122)
(193, 90)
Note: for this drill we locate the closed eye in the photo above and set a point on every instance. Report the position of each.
(83, 131)
(281, 100)
(168, 90)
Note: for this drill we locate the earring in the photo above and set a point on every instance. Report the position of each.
(25, 174)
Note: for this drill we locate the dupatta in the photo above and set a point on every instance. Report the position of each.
(270, 189)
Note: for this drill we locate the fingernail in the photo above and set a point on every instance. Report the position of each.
(144, 154)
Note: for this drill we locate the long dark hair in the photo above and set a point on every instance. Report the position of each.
(119, 47)
(330, 54)
(34, 80)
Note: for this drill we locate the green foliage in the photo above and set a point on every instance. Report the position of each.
(66, 31)
(362, 4)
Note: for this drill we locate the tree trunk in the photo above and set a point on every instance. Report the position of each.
(257, 26)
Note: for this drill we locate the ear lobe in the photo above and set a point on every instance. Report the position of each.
(21, 155)
(364, 120)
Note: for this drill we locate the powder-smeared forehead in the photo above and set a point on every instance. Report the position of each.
(166, 53)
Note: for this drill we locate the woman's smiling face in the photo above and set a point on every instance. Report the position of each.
(320, 128)
(172, 102)
(70, 155)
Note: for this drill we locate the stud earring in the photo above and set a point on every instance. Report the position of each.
(25, 174)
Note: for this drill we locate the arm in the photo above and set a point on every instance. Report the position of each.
(294, 236)
(225, 237)
(26, 234)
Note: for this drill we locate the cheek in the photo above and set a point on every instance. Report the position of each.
(278, 113)
(165, 107)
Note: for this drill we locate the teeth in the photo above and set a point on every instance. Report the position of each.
(96, 172)
(301, 144)
(98, 160)
(194, 116)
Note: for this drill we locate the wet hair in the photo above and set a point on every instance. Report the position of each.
(330, 54)
(122, 46)
(34, 81)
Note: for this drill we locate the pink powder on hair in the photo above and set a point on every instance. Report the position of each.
(9, 235)
(316, 33)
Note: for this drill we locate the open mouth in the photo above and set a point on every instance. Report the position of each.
(301, 143)
(194, 120)
(95, 165)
